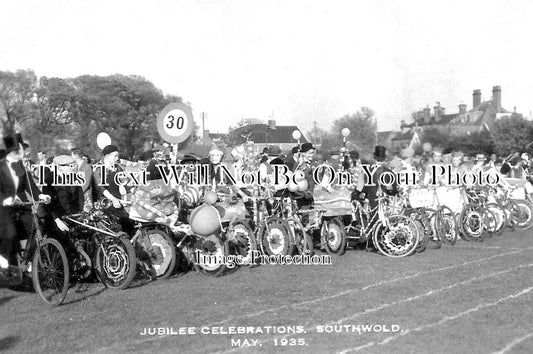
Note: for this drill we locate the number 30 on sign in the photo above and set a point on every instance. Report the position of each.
(175, 123)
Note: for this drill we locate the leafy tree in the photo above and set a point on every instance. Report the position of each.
(436, 137)
(474, 143)
(126, 107)
(512, 134)
(242, 134)
(317, 135)
(363, 130)
(16, 94)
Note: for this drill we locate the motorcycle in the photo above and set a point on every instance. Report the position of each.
(98, 245)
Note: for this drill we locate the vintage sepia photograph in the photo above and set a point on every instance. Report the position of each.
(266, 176)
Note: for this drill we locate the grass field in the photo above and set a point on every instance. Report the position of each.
(467, 298)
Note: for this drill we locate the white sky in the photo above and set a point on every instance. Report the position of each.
(303, 60)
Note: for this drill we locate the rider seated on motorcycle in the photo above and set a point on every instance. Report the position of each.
(111, 190)
(66, 199)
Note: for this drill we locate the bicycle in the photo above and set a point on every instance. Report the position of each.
(393, 234)
(49, 265)
(438, 220)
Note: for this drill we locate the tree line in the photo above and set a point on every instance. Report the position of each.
(46, 109)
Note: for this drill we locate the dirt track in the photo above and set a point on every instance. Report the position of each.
(467, 298)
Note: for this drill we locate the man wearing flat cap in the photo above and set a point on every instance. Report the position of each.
(111, 190)
(83, 166)
(293, 159)
(66, 199)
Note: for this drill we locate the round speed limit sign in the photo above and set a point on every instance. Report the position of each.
(175, 123)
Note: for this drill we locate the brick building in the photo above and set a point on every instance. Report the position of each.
(480, 118)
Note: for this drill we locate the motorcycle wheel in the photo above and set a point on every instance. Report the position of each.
(334, 236)
(211, 262)
(472, 223)
(116, 261)
(399, 238)
(245, 241)
(157, 250)
(275, 238)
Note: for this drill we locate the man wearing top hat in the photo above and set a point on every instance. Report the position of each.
(373, 191)
(15, 185)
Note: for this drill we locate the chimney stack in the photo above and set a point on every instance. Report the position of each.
(436, 109)
(477, 98)
(462, 108)
(497, 98)
(427, 113)
(272, 124)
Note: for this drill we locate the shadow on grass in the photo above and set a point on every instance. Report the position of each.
(5, 300)
(83, 288)
(8, 342)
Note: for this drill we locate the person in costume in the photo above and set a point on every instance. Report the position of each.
(371, 192)
(16, 184)
(110, 189)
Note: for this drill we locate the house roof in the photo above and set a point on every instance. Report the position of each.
(447, 118)
(404, 136)
(384, 135)
(489, 112)
(281, 134)
(486, 105)
(217, 135)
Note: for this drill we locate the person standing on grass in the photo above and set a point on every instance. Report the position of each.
(16, 184)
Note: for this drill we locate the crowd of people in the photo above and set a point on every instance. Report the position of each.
(19, 174)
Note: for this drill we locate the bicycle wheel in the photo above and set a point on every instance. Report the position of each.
(50, 272)
(491, 221)
(446, 227)
(156, 249)
(417, 215)
(501, 217)
(431, 221)
(334, 236)
(116, 261)
(303, 241)
(397, 239)
(523, 214)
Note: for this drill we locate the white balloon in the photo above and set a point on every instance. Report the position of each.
(345, 132)
(296, 135)
(102, 140)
